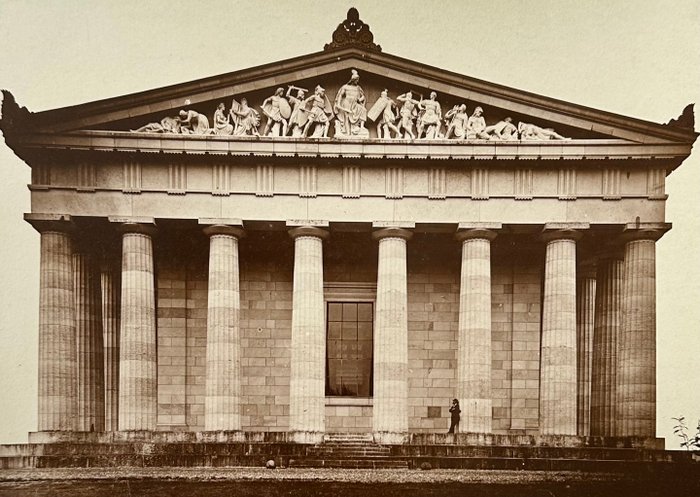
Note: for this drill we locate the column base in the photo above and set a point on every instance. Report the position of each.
(306, 437)
(390, 438)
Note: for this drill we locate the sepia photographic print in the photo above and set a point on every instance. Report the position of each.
(411, 248)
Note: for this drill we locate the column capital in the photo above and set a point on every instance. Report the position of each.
(309, 231)
(644, 231)
(224, 229)
(142, 225)
(563, 231)
(50, 222)
(392, 232)
(468, 231)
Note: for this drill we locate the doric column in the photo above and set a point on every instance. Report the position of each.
(636, 373)
(58, 367)
(138, 382)
(390, 408)
(307, 385)
(558, 354)
(605, 344)
(585, 318)
(474, 329)
(223, 381)
(111, 303)
(88, 319)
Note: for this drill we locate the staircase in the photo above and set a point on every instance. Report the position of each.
(350, 451)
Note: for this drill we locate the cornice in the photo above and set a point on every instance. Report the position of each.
(113, 141)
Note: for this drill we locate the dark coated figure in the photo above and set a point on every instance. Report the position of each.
(454, 413)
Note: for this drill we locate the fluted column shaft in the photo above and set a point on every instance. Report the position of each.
(585, 319)
(137, 341)
(390, 408)
(605, 347)
(111, 298)
(58, 367)
(307, 383)
(558, 357)
(223, 380)
(88, 317)
(636, 373)
(474, 331)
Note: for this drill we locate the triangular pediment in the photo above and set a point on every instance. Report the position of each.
(152, 112)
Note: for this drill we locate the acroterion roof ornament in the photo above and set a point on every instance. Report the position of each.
(353, 32)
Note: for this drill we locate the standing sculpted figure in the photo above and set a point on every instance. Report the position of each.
(277, 110)
(430, 118)
(298, 118)
(350, 109)
(408, 113)
(193, 123)
(476, 125)
(384, 107)
(502, 130)
(458, 122)
(246, 118)
(319, 114)
(532, 132)
(222, 124)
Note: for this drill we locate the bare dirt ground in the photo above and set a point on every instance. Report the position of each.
(258, 482)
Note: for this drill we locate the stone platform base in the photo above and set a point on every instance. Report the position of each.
(475, 439)
(225, 449)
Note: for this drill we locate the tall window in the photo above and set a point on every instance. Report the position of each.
(349, 349)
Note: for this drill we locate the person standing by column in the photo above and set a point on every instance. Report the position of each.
(454, 413)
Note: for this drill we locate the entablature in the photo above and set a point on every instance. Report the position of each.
(345, 179)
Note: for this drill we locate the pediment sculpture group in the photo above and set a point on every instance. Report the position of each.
(295, 115)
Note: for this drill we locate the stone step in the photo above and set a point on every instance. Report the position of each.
(348, 455)
(350, 443)
(350, 437)
(300, 450)
(140, 448)
(345, 450)
(152, 461)
(360, 462)
(535, 464)
(364, 463)
(350, 452)
(63, 454)
(17, 462)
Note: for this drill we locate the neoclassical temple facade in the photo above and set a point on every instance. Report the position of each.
(344, 242)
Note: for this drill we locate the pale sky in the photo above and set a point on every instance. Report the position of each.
(635, 58)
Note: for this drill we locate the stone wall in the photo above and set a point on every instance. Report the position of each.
(266, 270)
(516, 292)
(266, 330)
(172, 348)
(181, 282)
(433, 310)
